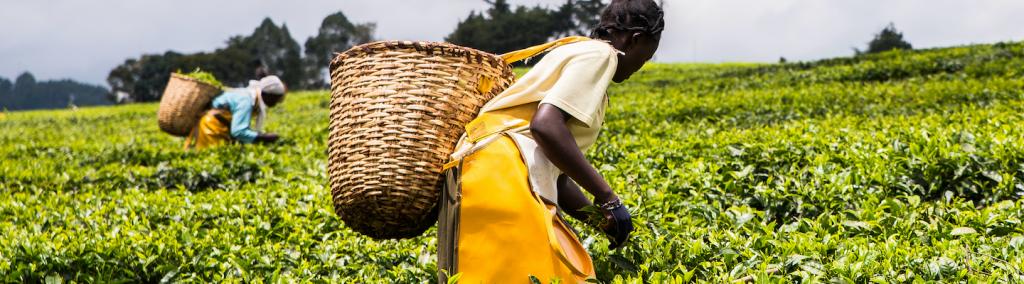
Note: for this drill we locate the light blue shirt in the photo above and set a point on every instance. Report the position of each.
(241, 106)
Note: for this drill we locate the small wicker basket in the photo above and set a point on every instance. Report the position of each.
(183, 103)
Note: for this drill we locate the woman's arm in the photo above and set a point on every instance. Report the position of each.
(571, 198)
(550, 130)
(241, 116)
(552, 135)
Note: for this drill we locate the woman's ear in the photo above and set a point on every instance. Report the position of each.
(634, 39)
(622, 41)
(629, 41)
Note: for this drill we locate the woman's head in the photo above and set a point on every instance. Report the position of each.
(272, 90)
(272, 99)
(633, 27)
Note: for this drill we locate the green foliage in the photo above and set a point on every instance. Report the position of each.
(586, 14)
(26, 93)
(888, 39)
(203, 76)
(502, 29)
(269, 46)
(145, 78)
(274, 47)
(903, 167)
(336, 35)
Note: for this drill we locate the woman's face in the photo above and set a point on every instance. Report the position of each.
(638, 49)
(272, 99)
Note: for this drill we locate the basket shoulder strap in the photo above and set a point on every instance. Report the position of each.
(522, 54)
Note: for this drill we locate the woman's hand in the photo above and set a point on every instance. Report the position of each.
(618, 225)
(611, 218)
(267, 138)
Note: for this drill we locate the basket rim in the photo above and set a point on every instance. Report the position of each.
(190, 79)
(430, 47)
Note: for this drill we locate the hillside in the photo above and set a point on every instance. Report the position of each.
(897, 167)
(25, 93)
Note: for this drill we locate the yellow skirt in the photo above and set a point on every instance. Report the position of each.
(213, 129)
(499, 231)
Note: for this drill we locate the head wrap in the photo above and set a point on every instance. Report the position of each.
(270, 84)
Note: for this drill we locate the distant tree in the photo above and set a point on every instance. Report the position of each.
(123, 77)
(62, 93)
(5, 92)
(888, 39)
(145, 78)
(582, 16)
(562, 21)
(275, 47)
(27, 93)
(336, 34)
(24, 83)
(260, 69)
(233, 65)
(5, 86)
(502, 29)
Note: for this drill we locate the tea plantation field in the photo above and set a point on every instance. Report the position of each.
(902, 167)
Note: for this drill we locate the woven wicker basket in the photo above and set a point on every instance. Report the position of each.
(183, 103)
(397, 110)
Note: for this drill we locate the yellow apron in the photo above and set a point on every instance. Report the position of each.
(214, 129)
(494, 228)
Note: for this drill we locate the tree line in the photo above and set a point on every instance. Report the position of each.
(271, 49)
(27, 93)
(502, 29)
(499, 29)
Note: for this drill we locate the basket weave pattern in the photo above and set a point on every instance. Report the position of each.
(183, 103)
(397, 111)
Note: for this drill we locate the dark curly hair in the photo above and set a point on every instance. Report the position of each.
(640, 16)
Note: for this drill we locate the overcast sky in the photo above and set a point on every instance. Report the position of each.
(83, 40)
